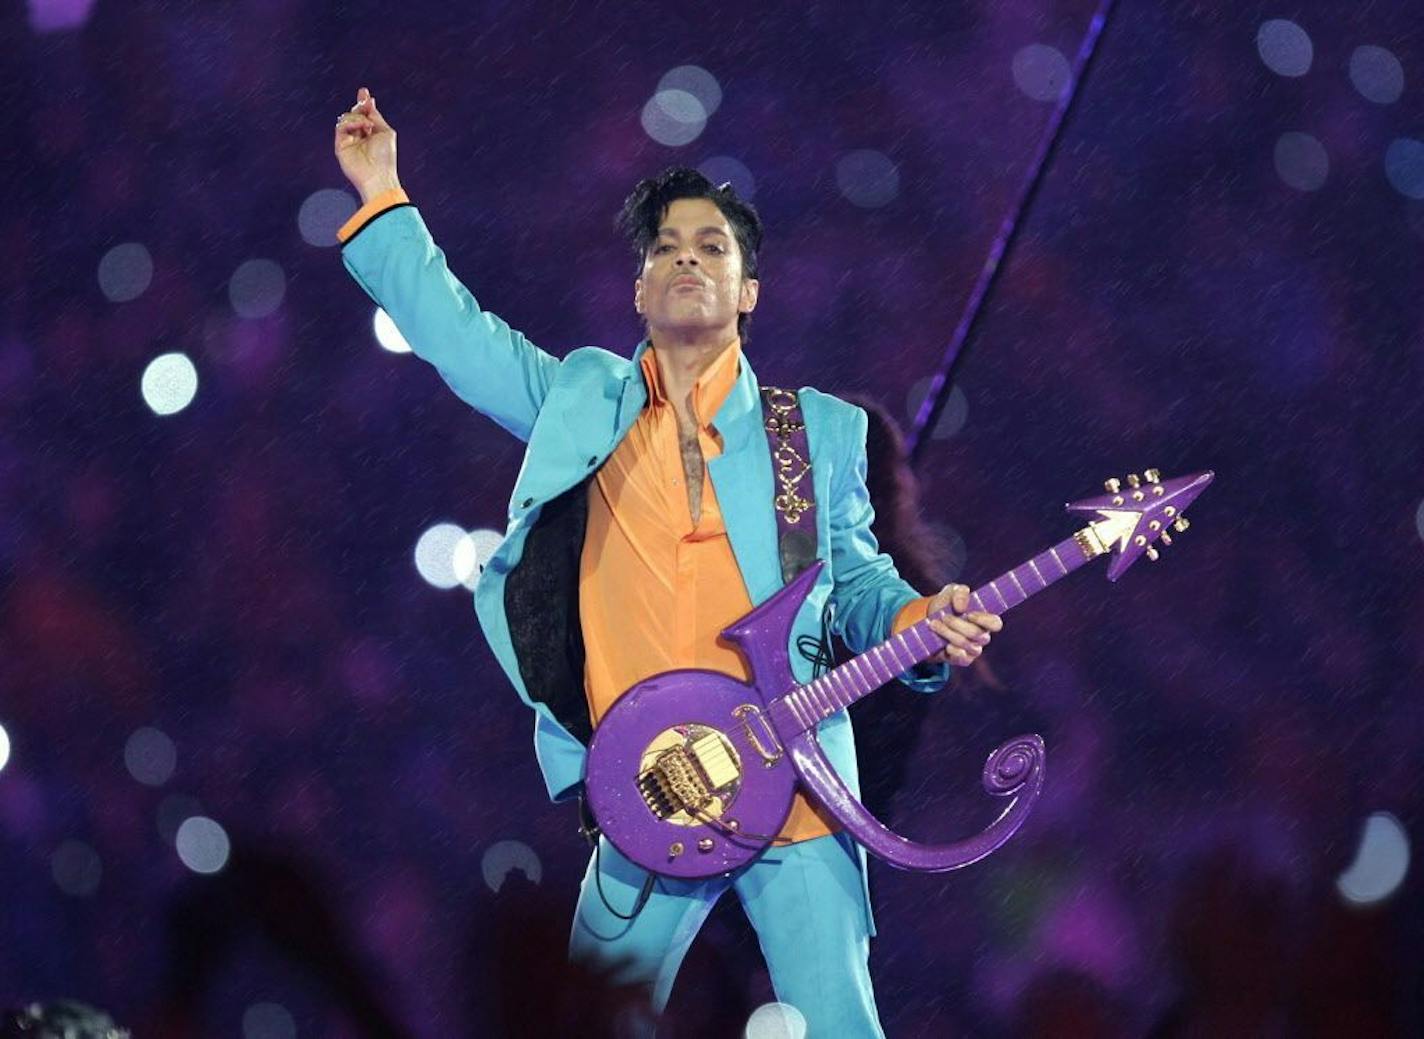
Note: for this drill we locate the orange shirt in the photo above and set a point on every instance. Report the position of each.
(655, 589)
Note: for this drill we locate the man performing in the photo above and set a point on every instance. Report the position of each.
(641, 525)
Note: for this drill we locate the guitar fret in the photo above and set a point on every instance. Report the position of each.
(1004, 603)
(925, 650)
(819, 700)
(795, 709)
(900, 638)
(976, 597)
(830, 693)
(1017, 585)
(879, 652)
(838, 683)
(1034, 567)
(1054, 553)
(861, 673)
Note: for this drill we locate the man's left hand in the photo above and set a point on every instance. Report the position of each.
(966, 633)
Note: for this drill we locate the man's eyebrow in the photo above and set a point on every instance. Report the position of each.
(671, 232)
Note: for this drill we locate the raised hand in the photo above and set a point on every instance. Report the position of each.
(366, 147)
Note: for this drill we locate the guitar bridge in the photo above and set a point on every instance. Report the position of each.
(686, 779)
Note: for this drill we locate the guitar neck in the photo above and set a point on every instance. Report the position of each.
(843, 685)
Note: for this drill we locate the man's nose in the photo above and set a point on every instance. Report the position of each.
(687, 257)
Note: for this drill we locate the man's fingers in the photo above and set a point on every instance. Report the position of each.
(990, 621)
(959, 630)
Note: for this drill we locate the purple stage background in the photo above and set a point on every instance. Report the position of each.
(260, 778)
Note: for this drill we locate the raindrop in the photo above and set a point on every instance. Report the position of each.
(1301, 161)
(5, 736)
(1285, 47)
(125, 272)
(169, 383)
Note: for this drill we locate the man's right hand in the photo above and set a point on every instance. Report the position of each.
(366, 148)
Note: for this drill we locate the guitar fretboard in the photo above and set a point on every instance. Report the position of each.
(841, 686)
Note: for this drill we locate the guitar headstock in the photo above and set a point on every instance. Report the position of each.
(1139, 512)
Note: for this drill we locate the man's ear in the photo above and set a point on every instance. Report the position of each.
(748, 301)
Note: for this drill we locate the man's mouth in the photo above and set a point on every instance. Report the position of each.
(679, 282)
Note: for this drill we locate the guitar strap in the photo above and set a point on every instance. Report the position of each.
(793, 489)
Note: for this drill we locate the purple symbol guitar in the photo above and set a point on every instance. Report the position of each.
(691, 773)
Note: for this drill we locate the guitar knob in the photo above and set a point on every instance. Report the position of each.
(1181, 524)
(1113, 486)
(674, 849)
(704, 845)
(1133, 480)
(1152, 476)
(1166, 538)
(1152, 554)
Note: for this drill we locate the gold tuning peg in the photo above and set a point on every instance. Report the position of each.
(1166, 538)
(1134, 481)
(1113, 486)
(1181, 523)
(1152, 554)
(1152, 476)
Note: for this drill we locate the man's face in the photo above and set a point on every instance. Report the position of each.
(692, 274)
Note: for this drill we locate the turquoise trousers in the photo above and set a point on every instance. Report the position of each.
(804, 901)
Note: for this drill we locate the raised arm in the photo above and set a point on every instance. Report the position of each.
(390, 253)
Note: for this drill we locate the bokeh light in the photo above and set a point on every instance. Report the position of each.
(776, 1021)
(125, 272)
(202, 844)
(5, 739)
(1381, 861)
(322, 213)
(387, 334)
(256, 288)
(503, 857)
(268, 1021)
(76, 868)
(59, 15)
(1301, 161)
(1404, 166)
(1285, 47)
(1377, 74)
(472, 552)
(952, 416)
(169, 383)
(150, 756)
(1041, 72)
(674, 118)
(435, 554)
(723, 169)
(867, 178)
(697, 81)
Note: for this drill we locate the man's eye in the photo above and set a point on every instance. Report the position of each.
(717, 249)
(657, 249)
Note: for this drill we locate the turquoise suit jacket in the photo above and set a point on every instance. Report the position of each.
(573, 413)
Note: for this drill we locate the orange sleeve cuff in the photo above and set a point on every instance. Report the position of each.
(372, 209)
(912, 612)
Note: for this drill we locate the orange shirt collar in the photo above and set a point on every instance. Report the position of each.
(712, 387)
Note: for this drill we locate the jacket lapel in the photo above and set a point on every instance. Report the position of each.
(741, 476)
